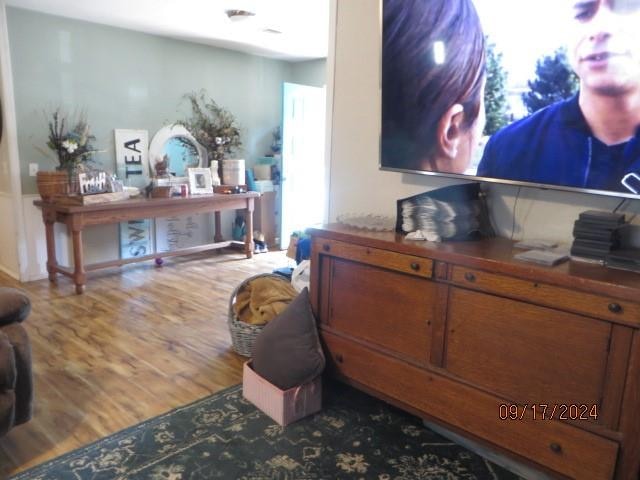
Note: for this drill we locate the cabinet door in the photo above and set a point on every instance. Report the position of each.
(525, 353)
(384, 307)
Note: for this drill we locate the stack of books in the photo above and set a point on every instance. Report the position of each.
(596, 234)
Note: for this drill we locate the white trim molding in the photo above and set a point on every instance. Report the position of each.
(10, 136)
(8, 249)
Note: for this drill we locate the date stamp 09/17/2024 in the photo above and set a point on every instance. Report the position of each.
(548, 411)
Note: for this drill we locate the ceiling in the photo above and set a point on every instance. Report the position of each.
(303, 24)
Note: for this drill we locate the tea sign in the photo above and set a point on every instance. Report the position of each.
(132, 157)
(132, 167)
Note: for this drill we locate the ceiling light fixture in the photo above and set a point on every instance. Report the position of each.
(239, 15)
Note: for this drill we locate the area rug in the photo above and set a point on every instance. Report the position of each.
(355, 436)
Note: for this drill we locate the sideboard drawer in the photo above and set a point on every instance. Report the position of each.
(549, 295)
(419, 266)
(561, 447)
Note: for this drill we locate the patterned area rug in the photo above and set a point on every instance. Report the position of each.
(223, 436)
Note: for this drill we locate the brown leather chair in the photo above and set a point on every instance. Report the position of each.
(16, 381)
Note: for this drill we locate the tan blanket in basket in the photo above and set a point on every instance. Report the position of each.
(260, 300)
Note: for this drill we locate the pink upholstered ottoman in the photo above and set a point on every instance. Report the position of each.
(284, 406)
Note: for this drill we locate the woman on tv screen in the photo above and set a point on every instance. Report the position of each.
(433, 75)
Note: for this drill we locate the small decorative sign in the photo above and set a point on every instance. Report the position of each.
(132, 166)
(132, 156)
(174, 233)
(135, 238)
(94, 182)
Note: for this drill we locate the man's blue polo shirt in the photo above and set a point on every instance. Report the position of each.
(555, 146)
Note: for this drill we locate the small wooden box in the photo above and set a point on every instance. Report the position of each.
(161, 192)
(90, 199)
(229, 189)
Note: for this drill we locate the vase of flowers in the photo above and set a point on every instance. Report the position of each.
(213, 127)
(73, 148)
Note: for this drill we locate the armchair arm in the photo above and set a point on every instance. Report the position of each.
(14, 305)
(16, 379)
(7, 364)
(7, 385)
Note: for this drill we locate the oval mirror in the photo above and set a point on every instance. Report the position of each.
(173, 150)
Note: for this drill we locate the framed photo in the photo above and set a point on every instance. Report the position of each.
(200, 181)
(92, 182)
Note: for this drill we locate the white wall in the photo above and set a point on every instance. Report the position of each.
(358, 186)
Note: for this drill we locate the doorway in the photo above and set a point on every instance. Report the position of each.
(304, 167)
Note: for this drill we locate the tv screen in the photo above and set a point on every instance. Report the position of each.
(530, 92)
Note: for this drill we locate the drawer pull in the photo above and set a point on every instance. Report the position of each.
(469, 277)
(615, 308)
(339, 358)
(555, 447)
(415, 266)
(326, 247)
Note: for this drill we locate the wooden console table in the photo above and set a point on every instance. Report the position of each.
(78, 217)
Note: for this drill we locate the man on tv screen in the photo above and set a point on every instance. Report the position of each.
(591, 140)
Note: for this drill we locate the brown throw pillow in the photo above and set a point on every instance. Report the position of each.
(287, 352)
(14, 305)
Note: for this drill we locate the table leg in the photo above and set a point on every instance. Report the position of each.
(248, 221)
(52, 262)
(217, 237)
(79, 275)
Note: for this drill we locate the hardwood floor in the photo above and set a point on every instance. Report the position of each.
(140, 341)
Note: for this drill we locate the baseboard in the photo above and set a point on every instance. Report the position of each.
(11, 273)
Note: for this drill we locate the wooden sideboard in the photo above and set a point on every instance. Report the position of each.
(539, 363)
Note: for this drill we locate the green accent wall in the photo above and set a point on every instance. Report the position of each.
(126, 79)
(310, 72)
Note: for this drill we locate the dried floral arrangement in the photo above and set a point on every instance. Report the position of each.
(73, 144)
(276, 144)
(212, 126)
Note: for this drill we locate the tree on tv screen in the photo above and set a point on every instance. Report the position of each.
(495, 94)
(555, 81)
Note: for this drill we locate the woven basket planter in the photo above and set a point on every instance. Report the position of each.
(56, 183)
(244, 334)
(51, 184)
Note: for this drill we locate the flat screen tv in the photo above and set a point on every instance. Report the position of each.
(528, 92)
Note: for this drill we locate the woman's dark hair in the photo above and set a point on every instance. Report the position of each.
(417, 91)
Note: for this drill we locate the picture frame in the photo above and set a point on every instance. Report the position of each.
(92, 182)
(200, 181)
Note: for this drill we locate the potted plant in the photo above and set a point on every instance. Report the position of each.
(213, 127)
(74, 151)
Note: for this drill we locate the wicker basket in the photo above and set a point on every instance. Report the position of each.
(56, 183)
(244, 334)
